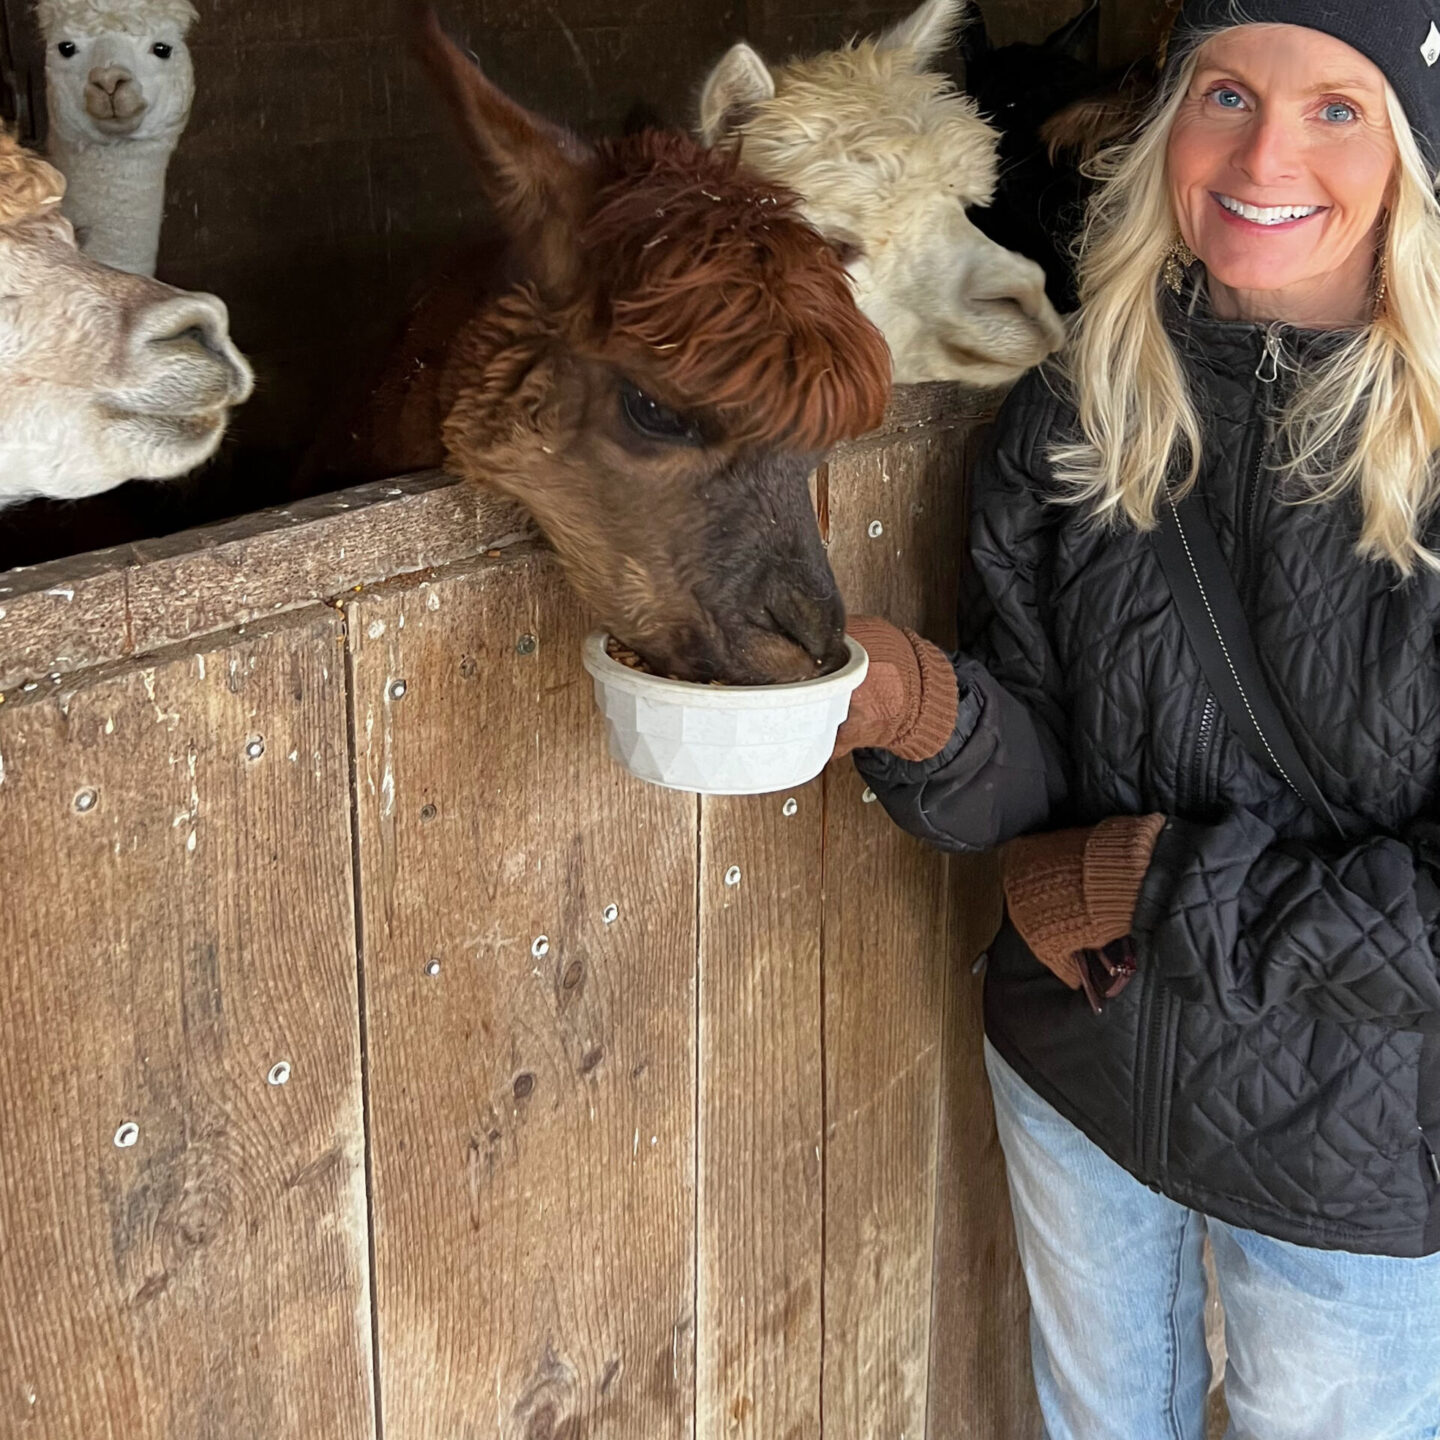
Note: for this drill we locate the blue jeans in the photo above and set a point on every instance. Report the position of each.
(1324, 1345)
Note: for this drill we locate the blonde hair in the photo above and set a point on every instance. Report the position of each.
(1366, 419)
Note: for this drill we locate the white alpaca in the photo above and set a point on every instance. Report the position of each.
(119, 84)
(886, 157)
(104, 376)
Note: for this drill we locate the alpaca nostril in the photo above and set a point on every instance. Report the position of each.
(187, 321)
(197, 335)
(189, 329)
(109, 81)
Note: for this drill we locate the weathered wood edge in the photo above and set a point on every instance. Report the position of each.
(131, 601)
(135, 600)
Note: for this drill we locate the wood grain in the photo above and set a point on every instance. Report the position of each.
(980, 1382)
(761, 1118)
(1130, 30)
(136, 599)
(888, 942)
(532, 1105)
(176, 919)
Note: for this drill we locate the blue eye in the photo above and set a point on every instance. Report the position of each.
(1339, 113)
(1228, 99)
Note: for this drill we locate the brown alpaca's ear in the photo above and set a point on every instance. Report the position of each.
(734, 88)
(27, 183)
(536, 175)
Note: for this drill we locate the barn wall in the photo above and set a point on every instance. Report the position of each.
(724, 1161)
(1130, 30)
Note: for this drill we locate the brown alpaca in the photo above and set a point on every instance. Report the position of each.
(652, 368)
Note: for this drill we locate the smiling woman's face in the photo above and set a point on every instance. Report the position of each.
(1280, 162)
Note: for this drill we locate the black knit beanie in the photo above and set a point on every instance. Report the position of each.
(1401, 37)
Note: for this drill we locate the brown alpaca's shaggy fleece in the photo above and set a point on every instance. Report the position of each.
(694, 278)
(710, 274)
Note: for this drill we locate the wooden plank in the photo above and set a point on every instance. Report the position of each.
(980, 1381)
(137, 599)
(1130, 30)
(177, 919)
(761, 1190)
(532, 1104)
(22, 70)
(888, 944)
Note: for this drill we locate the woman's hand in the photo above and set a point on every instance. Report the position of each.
(909, 699)
(1073, 891)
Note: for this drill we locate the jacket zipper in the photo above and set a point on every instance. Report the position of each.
(1204, 734)
(1267, 372)
(1158, 1007)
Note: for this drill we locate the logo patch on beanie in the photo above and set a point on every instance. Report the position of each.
(1431, 48)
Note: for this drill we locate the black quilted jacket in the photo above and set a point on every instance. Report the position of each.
(1276, 1062)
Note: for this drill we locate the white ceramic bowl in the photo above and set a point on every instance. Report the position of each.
(721, 739)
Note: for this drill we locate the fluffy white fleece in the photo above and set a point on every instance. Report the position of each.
(96, 17)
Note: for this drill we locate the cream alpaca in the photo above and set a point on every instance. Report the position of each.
(103, 375)
(119, 84)
(887, 156)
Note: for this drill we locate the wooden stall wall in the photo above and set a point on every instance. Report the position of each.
(604, 1112)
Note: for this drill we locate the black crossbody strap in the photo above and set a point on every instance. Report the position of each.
(1214, 619)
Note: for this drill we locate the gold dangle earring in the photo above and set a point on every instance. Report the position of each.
(1382, 280)
(1178, 259)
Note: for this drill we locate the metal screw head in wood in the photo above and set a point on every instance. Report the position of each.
(790, 807)
(256, 748)
(127, 1135)
(86, 800)
(526, 645)
(279, 1073)
(398, 689)
(432, 967)
(610, 914)
(540, 947)
(732, 875)
(876, 530)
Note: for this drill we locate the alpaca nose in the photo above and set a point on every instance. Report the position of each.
(1021, 287)
(813, 621)
(110, 79)
(190, 323)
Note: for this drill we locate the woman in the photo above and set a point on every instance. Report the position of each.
(1261, 326)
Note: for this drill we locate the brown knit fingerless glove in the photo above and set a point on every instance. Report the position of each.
(1075, 890)
(909, 699)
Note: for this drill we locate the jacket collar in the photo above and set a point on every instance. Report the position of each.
(1237, 348)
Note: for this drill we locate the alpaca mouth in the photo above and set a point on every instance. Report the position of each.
(985, 368)
(190, 438)
(116, 125)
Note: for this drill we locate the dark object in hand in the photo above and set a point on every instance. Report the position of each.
(1105, 973)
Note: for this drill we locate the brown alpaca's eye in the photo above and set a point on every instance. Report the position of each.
(67, 49)
(161, 51)
(648, 417)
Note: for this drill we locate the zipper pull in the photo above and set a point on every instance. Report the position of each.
(1430, 1155)
(1268, 370)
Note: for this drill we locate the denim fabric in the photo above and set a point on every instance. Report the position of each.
(1323, 1344)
